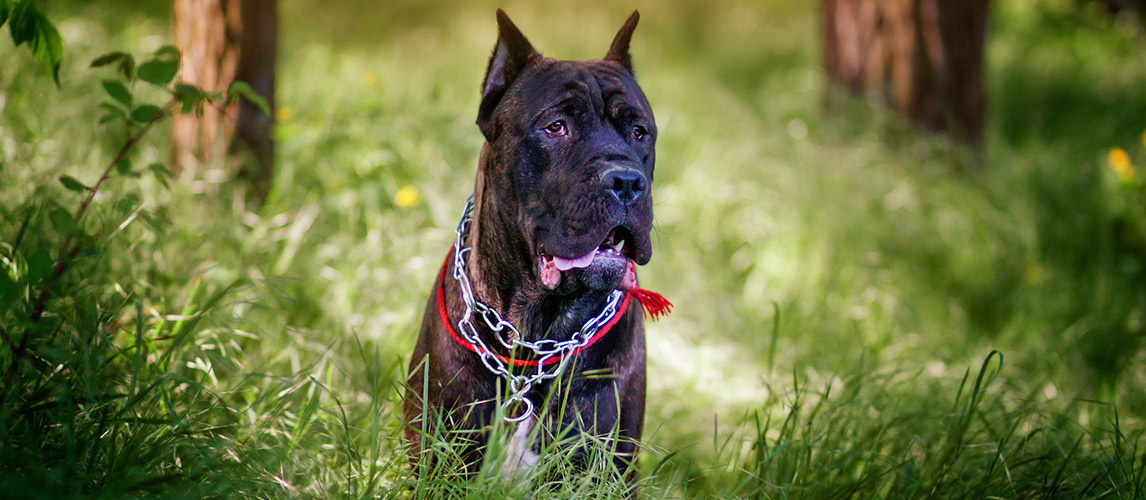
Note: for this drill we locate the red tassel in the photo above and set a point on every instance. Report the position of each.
(654, 304)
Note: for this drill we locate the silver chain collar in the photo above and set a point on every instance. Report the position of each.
(543, 350)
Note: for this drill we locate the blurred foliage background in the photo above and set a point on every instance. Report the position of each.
(840, 278)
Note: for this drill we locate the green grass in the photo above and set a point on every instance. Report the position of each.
(842, 283)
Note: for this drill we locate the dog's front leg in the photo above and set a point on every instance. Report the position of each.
(598, 413)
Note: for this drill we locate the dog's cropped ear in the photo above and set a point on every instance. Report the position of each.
(619, 51)
(511, 55)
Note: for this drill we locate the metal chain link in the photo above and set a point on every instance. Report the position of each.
(518, 385)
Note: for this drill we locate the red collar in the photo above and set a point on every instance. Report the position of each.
(653, 303)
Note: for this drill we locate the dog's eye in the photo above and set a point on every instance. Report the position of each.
(556, 129)
(639, 133)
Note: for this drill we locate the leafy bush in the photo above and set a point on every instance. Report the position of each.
(103, 380)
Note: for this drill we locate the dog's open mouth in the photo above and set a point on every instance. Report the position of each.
(613, 256)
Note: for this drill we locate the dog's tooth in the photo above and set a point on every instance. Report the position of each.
(619, 246)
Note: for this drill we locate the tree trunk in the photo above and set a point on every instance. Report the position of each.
(223, 41)
(925, 57)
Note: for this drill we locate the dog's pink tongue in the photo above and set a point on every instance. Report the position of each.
(629, 282)
(579, 262)
(550, 275)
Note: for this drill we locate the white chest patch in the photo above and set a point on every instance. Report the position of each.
(520, 459)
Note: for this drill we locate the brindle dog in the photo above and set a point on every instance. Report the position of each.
(562, 212)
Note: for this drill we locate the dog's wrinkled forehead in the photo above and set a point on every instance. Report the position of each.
(606, 89)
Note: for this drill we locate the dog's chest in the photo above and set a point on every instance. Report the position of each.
(520, 458)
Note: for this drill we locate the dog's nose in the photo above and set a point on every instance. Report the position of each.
(627, 184)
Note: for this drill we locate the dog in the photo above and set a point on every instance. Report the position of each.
(534, 315)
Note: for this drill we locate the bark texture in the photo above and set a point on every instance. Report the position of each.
(925, 57)
(223, 41)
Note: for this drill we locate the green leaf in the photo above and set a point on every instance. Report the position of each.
(188, 91)
(127, 203)
(162, 68)
(28, 25)
(158, 72)
(160, 170)
(126, 62)
(146, 113)
(127, 67)
(108, 58)
(4, 7)
(22, 15)
(72, 183)
(242, 89)
(9, 290)
(190, 96)
(117, 91)
(39, 267)
(168, 53)
(111, 112)
(161, 173)
(63, 221)
(123, 167)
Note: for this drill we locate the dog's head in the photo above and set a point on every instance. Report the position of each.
(570, 148)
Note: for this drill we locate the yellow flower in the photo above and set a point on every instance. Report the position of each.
(407, 197)
(1144, 138)
(1034, 274)
(369, 80)
(284, 114)
(1120, 161)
